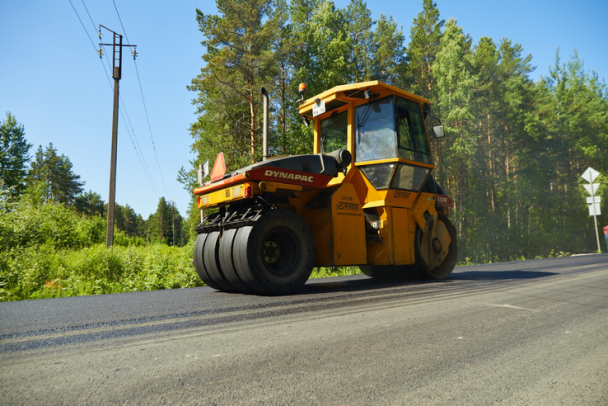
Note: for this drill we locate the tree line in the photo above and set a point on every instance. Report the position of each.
(515, 148)
(48, 178)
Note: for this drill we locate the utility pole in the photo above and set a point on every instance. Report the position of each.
(116, 74)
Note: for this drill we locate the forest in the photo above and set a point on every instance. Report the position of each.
(511, 161)
(515, 148)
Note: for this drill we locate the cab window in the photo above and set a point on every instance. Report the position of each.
(333, 132)
(375, 125)
(410, 131)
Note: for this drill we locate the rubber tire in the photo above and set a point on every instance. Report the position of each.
(296, 253)
(226, 261)
(240, 260)
(212, 263)
(199, 263)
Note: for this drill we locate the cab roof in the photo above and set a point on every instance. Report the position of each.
(353, 91)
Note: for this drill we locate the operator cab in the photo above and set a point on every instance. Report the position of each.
(383, 127)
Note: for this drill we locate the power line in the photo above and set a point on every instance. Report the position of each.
(123, 110)
(144, 102)
(150, 129)
(120, 19)
(81, 23)
(140, 156)
(147, 171)
(92, 43)
(90, 18)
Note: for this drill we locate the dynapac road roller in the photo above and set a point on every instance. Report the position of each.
(365, 198)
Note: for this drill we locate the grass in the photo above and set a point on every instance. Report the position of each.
(43, 271)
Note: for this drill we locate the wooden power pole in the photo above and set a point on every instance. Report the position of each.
(116, 74)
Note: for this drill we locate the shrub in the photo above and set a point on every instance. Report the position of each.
(44, 271)
(27, 224)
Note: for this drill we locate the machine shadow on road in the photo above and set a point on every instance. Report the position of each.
(363, 283)
(499, 275)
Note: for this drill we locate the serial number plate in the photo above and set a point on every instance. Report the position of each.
(318, 109)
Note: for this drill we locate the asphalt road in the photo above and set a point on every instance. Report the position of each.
(530, 332)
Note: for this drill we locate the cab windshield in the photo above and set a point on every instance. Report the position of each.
(389, 128)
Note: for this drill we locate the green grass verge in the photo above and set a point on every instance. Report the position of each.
(44, 271)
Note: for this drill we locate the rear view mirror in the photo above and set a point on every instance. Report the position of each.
(438, 130)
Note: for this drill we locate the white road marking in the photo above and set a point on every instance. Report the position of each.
(508, 306)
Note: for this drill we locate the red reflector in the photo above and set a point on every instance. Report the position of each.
(248, 190)
(199, 200)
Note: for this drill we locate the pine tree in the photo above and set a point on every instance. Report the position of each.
(13, 155)
(320, 59)
(54, 171)
(90, 203)
(455, 82)
(160, 224)
(425, 41)
(359, 28)
(239, 61)
(327, 47)
(283, 48)
(388, 63)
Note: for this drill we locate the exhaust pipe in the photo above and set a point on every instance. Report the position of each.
(265, 133)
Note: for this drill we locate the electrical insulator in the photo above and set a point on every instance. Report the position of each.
(100, 52)
(99, 34)
(134, 53)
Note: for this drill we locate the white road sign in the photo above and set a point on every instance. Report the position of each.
(594, 201)
(592, 188)
(590, 174)
(597, 211)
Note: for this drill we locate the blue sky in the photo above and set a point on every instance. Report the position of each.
(52, 80)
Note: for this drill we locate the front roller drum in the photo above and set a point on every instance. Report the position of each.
(276, 255)
(436, 252)
(437, 249)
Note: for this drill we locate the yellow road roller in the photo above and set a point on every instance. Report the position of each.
(365, 198)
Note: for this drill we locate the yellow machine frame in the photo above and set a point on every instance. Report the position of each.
(335, 213)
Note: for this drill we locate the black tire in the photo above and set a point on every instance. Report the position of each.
(212, 263)
(276, 255)
(240, 259)
(226, 261)
(199, 263)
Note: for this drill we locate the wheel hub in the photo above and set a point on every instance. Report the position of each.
(436, 245)
(271, 252)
